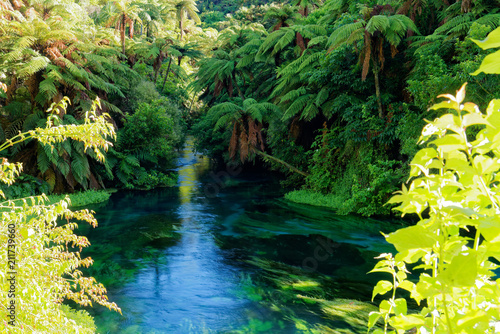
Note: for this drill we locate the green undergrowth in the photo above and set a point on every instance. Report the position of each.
(340, 204)
(83, 198)
(315, 198)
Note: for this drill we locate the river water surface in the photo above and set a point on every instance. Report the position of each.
(226, 254)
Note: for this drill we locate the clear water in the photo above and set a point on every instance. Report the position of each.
(223, 254)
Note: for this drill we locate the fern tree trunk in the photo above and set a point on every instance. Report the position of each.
(166, 75)
(181, 28)
(284, 163)
(376, 71)
(122, 33)
(131, 29)
(240, 93)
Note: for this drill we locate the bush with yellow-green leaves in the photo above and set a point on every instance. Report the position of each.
(39, 253)
(455, 191)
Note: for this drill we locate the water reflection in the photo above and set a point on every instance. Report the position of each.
(178, 262)
(194, 288)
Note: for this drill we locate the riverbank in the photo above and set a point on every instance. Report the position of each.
(83, 198)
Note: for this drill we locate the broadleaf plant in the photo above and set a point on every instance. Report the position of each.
(454, 190)
(41, 255)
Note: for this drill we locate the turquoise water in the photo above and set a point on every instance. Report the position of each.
(223, 253)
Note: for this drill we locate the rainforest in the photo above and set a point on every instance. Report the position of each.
(249, 166)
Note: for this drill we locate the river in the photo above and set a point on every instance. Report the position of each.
(222, 252)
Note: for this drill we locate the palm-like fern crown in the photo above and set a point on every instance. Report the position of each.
(114, 11)
(282, 16)
(376, 27)
(278, 40)
(459, 17)
(236, 35)
(186, 7)
(30, 44)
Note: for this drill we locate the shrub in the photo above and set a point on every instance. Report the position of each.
(454, 191)
(41, 254)
(148, 134)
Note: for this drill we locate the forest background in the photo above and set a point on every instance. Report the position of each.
(331, 93)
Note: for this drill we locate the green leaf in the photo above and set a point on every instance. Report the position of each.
(485, 165)
(450, 143)
(373, 318)
(474, 118)
(406, 322)
(400, 306)
(410, 255)
(491, 41)
(462, 271)
(424, 156)
(385, 306)
(407, 285)
(490, 64)
(445, 105)
(413, 237)
(469, 321)
(490, 228)
(381, 288)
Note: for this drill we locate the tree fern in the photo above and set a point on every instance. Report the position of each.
(46, 91)
(287, 38)
(297, 106)
(34, 120)
(33, 66)
(343, 33)
(43, 160)
(377, 22)
(293, 94)
(80, 168)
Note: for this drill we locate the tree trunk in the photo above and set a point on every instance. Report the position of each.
(166, 75)
(299, 39)
(287, 165)
(155, 75)
(192, 102)
(377, 92)
(11, 89)
(181, 28)
(131, 29)
(240, 93)
(122, 33)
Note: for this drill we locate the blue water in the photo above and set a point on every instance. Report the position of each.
(186, 259)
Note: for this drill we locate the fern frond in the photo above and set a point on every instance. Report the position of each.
(43, 160)
(377, 23)
(285, 40)
(297, 106)
(33, 66)
(343, 33)
(47, 90)
(322, 96)
(293, 94)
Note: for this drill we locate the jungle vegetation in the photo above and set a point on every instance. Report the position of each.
(333, 94)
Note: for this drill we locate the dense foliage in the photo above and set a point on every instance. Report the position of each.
(84, 50)
(455, 241)
(352, 83)
(454, 192)
(331, 93)
(41, 255)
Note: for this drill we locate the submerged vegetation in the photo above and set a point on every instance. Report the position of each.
(330, 94)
